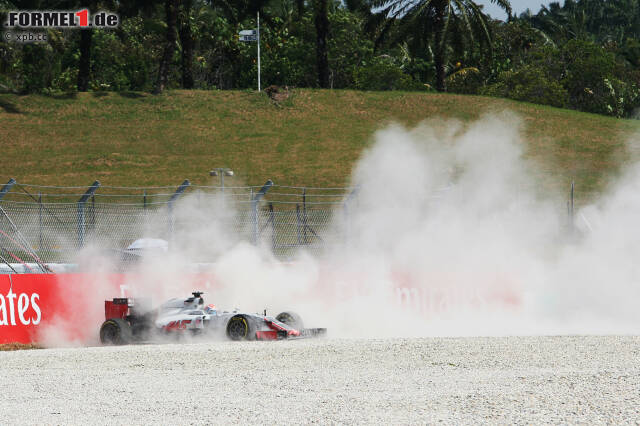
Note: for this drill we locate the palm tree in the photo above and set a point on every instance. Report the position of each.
(590, 19)
(171, 10)
(563, 23)
(187, 41)
(86, 36)
(322, 33)
(441, 22)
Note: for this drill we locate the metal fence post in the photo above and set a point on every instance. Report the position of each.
(184, 185)
(347, 227)
(304, 214)
(254, 201)
(40, 218)
(7, 187)
(298, 224)
(93, 212)
(272, 216)
(570, 205)
(81, 212)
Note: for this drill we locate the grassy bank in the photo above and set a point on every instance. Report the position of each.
(313, 138)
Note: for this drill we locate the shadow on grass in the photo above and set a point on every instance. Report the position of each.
(132, 95)
(66, 95)
(9, 107)
(99, 94)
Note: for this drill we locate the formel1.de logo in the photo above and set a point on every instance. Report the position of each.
(61, 19)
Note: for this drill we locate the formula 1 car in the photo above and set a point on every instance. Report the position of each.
(130, 320)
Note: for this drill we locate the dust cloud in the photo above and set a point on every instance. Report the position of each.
(450, 234)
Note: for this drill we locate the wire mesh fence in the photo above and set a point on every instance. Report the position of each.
(53, 223)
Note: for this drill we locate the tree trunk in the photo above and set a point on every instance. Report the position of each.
(84, 65)
(300, 8)
(322, 32)
(186, 39)
(171, 9)
(439, 56)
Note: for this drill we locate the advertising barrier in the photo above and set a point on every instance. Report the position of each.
(32, 305)
(53, 308)
(63, 309)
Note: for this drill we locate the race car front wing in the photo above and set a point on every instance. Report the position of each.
(286, 334)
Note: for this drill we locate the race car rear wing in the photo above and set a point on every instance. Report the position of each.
(122, 307)
(117, 308)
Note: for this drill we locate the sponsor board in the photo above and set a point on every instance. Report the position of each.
(63, 308)
(22, 298)
(33, 303)
(20, 308)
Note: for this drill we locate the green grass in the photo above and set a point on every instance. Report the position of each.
(313, 138)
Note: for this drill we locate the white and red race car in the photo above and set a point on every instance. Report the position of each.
(129, 320)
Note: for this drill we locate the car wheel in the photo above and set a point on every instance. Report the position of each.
(115, 331)
(239, 328)
(291, 319)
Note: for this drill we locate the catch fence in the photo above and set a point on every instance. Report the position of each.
(51, 224)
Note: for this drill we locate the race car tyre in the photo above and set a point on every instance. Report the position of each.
(291, 319)
(240, 327)
(115, 331)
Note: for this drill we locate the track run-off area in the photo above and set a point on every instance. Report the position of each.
(582, 379)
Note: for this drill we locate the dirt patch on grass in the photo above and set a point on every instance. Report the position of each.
(18, 346)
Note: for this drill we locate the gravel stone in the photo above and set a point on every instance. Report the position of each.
(586, 379)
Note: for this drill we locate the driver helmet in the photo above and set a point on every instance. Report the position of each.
(211, 310)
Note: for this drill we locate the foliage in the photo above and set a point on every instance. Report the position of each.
(444, 25)
(349, 49)
(582, 54)
(512, 42)
(38, 67)
(287, 56)
(581, 75)
(589, 71)
(594, 20)
(465, 80)
(218, 52)
(10, 65)
(383, 73)
(529, 84)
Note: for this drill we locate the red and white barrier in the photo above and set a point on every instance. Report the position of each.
(33, 303)
(63, 308)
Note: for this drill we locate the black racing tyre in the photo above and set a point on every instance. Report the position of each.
(291, 319)
(115, 331)
(240, 327)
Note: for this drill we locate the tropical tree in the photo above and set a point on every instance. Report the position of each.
(566, 22)
(171, 11)
(598, 20)
(321, 12)
(84, 63)
(441, 23)
(186, 40)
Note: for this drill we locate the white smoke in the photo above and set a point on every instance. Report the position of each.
(450, 234)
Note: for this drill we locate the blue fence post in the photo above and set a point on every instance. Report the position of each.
(7, 187)
(254, 201)
(184, 185)
(81, 212)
